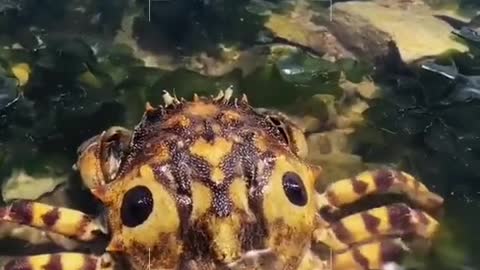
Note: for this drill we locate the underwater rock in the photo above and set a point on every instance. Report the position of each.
(367, 88)
(331, 151)
(6, 5)
(297, 28)
(366, 28)
(127, 37)
(307, 123)
(230, 59)
(467, 87)
(225, 62)
(20, 185)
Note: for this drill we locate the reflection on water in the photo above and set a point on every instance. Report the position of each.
(380, 82)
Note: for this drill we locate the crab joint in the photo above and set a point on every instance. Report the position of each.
(68, 222)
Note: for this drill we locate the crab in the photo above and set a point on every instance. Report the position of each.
(214, 183)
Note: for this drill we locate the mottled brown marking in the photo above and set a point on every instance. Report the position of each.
(399, 216)
(208, 133)
(184, 208)
(51, 217)
(371, 222)
(391, 251)
(331, 197)
(18, 264)
(384, 180)
(359, 186)
(341, 232)
(82, 226)
(197, 242)
(222, 204)
(253, 235)
(163, 252)
(327, 212)
(360, 259)
(21, 212)
(54, 262)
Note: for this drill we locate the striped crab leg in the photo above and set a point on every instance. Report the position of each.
(368, 239)
(347, 191)
(368, 256)
(97, 163)
(68, 222)
(61, 261)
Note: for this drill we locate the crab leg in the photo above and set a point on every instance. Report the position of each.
(348, 191)
(368, 256)
(391, 220)
(60, 261)
(68, 222)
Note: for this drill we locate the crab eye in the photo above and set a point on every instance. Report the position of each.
(294, 189)
(137, 205)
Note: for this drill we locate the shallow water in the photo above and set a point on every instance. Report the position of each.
(351, 74)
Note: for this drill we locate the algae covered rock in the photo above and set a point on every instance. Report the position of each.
(21, 185)
(367, 27)
(297, 28)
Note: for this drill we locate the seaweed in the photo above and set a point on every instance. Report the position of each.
(71, 94)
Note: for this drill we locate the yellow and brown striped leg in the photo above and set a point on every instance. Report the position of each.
(373, 182)
(61, 261)
(68, 222)
(368, 256)
(395, 220)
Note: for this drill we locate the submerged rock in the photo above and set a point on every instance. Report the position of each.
(366, 28)
(297, 28)
(20, 185)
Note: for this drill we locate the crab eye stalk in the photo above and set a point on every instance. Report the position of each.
(282, 129)
(100, 156)
(137, 205)
(289, 132)
(294, 189)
